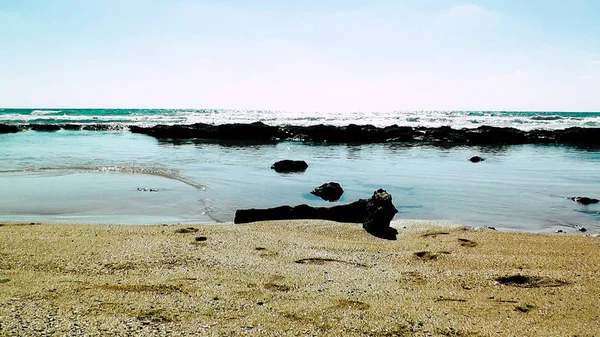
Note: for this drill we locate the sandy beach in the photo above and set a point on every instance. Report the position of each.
(295, 278)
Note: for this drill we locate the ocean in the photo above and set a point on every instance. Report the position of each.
(115, 176)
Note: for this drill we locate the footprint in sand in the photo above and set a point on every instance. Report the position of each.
(277, 287)
(350, 305)
(413, 277)
(467, 243)
(434, 234)
(524, 281)
(186, 230)
(264, 252)
(321, 261)
(426, 255)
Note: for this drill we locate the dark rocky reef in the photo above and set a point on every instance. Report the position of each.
(360, 134)
(375, 214)
(287, 166)
(350, 134)
(256, 131)
(331, 191)
(44, 127)
(5, 128)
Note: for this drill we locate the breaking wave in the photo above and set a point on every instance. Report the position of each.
(121, 118)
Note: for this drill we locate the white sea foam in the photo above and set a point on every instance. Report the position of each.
(455, 119)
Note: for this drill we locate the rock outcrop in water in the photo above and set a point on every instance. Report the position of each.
(476, 159)
(360, 134)
(331, 191)
(375, 214)
(350, 134)
(256, 131)
(287, 166)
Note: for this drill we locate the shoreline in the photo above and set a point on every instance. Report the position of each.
(295, 278)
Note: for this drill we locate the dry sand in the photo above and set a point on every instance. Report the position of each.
(295, 278)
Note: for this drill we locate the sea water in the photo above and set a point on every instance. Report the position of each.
(121, 177)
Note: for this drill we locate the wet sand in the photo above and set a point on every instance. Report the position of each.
(291, 278)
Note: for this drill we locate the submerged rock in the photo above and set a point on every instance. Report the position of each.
(585, 200)
(284, 166)
(476, 159)
(331, 191)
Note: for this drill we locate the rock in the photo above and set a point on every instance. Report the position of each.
(487, 135)
(380, 212)
(365, 134)
(584, 200)
(476, 159)
(5, 128)
(331, 191)
(97, 127)
(580, 228)
(284, 166)
(44, 127)
(560, 231)
(256, 131)
(71, 127)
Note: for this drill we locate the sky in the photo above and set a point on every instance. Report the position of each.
(318, 55)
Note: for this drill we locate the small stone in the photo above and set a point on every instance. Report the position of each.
(331, 191)
(476, 159)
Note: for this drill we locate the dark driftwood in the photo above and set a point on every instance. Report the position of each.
(375, 214)
(354, 213)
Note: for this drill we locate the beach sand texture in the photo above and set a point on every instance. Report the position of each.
(295, 278)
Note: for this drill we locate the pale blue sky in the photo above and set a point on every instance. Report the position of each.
(301, 55)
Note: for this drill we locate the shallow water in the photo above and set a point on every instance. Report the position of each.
(94, 177)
